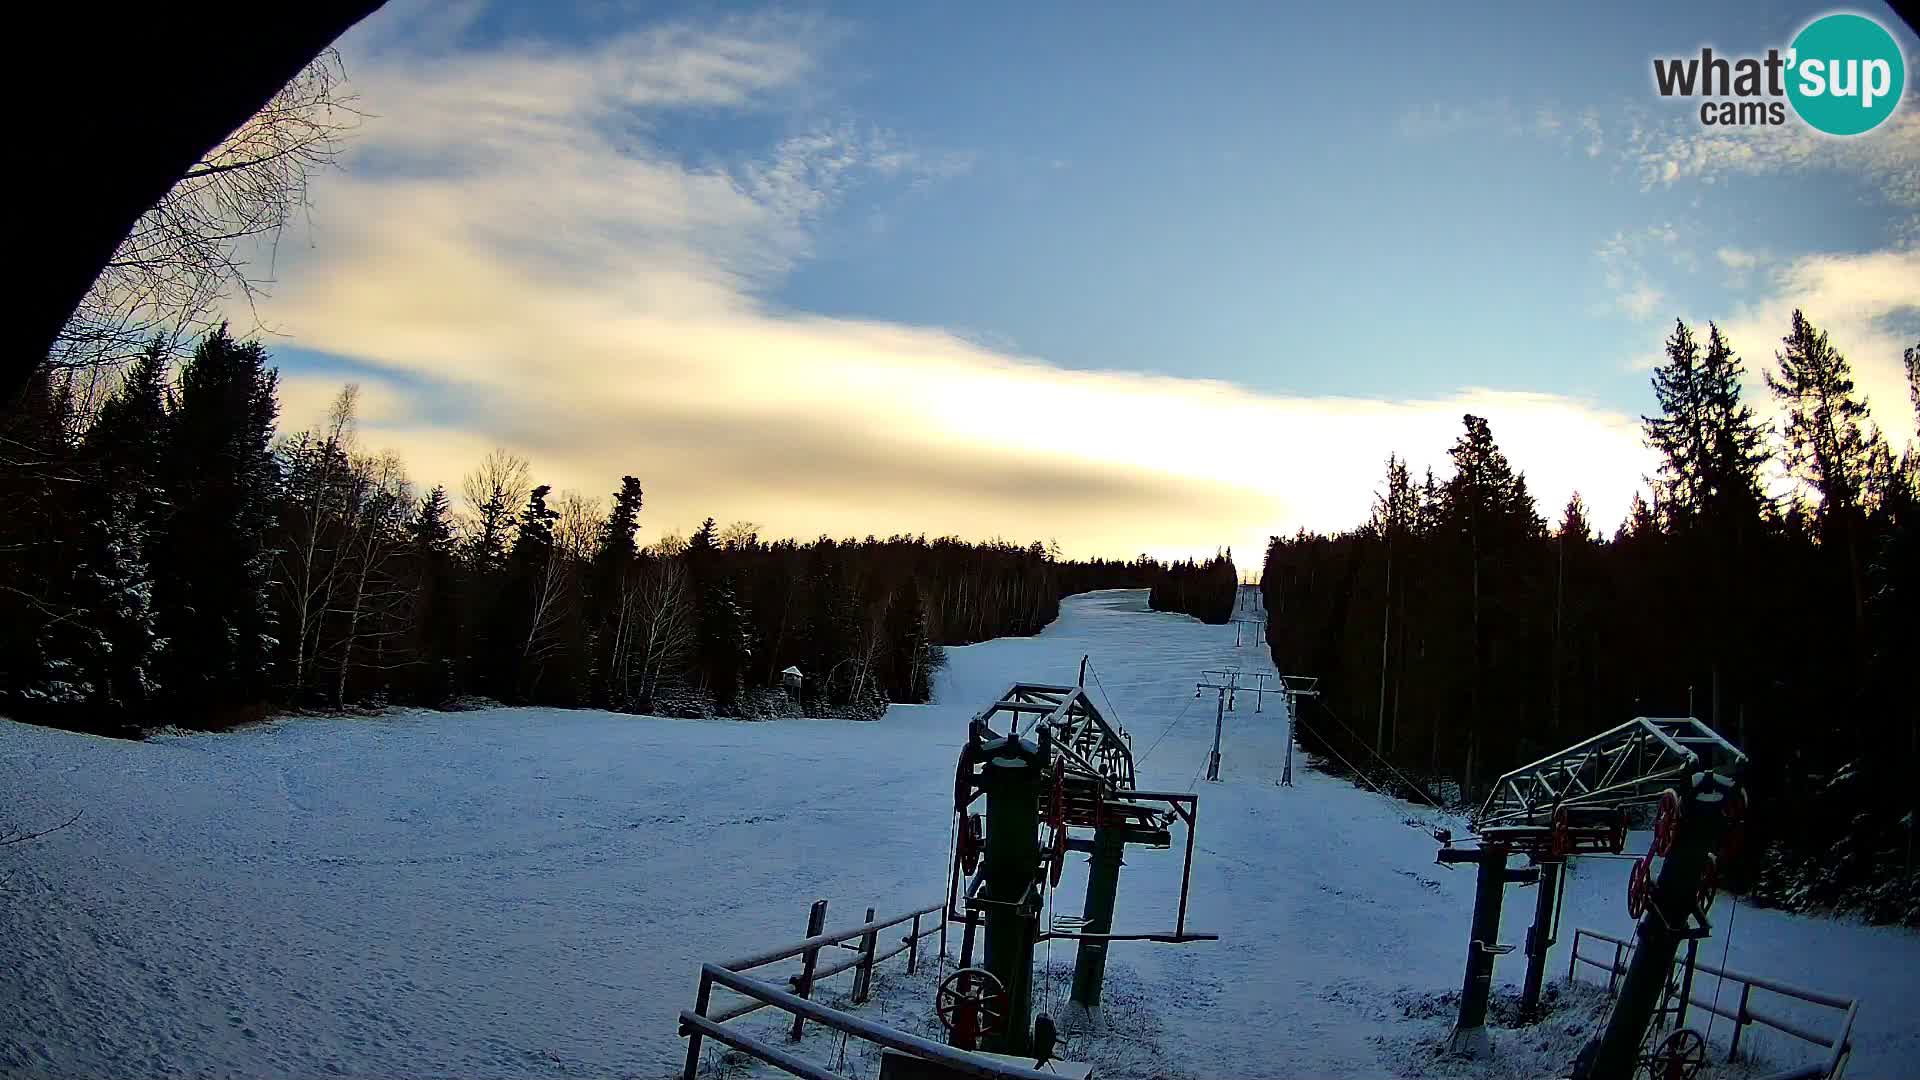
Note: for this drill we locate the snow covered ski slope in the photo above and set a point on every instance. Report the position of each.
(529, 892)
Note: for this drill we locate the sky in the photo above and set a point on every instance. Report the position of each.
(1125, 277)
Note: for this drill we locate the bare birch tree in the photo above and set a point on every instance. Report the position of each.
(317, 466)
(664, 636)
(375, 537)
(494, 492)
(197, 245)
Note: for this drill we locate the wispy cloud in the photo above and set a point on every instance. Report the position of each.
(514, 238)
(1888, 159)
(1631, 259)
(1869, 304)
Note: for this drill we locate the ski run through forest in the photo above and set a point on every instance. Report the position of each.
(530, 892)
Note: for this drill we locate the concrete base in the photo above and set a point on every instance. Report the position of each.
(898, 1065)
(1470, 1043)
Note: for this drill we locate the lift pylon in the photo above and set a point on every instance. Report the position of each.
(1044, 754)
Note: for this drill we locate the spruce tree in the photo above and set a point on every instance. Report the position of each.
(722, 629)
(1828, 436)
(212, 566)
(436, 624)
(44, 637)
(1678, 433)
(608, 597)
(120, 509)
(1830, 444)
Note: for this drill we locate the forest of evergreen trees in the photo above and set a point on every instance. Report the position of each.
(1204, 590)
(168, 558)
(1459, 635)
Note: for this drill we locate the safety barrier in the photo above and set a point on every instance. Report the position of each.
(696, 1024)
(1838, 1044)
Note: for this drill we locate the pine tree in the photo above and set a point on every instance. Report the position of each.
(1831, 443)
(1678, 433)
(119, 511)
(723, 643)
(212, 565)
(1827, 444)
(433, 525)
(1912, 358)
(436, 627)
(610, 597)
(1734, 449)
(44, 637)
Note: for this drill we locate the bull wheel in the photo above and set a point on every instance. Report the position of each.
(971, 1002)
(1680, 1056)
(1665, 822)
(1639, 886)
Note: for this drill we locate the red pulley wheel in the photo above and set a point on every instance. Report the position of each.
(970, 1003)
(1734, 828)
(1665, 821)
(1639, 886)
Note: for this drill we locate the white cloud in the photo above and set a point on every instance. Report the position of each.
(1627, 261)
(1869, 305)
(511, 239)
(1736, 259)
(1641, 301)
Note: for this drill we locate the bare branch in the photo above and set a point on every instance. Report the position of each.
(24, 837)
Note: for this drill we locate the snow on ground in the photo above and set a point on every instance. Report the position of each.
(525, 892)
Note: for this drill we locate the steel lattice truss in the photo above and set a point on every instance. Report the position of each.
(1634, 762)
(1089, 745)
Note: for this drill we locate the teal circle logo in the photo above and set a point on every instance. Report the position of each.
(1846, 74)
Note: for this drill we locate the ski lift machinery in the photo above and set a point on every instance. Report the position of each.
(1575, 802)
(1055, 777)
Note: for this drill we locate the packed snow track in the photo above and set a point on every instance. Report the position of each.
(530, 893)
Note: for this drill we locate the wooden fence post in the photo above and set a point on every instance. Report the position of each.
(700, 1006)
(863, 972)
(816, 924)
(1740, 1020)
(1613, 973)
(913, 945)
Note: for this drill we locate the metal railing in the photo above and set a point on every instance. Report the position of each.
(697, 1023)
(1838, 1044)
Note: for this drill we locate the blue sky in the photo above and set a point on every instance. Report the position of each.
(679, 240)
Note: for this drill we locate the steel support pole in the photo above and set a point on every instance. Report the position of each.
(1013, 777)
(1103, 882)
(1286, 772)
(1662, 928)
(1219, 720)
(1470, 1032)
(1540, 938)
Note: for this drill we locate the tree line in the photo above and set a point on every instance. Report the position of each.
(1459, 635)
(1205, 590)
(170, 557)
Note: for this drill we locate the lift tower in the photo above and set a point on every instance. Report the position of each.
(1053, 760)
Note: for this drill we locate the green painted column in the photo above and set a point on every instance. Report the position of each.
(1662, 928)
(1013, 775)
(1103, 883)
(1540, 937)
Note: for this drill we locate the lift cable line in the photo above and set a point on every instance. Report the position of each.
(1404, 778)
(1142, 759)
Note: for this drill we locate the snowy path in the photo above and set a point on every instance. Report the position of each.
(529, 892)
